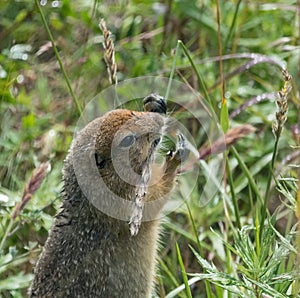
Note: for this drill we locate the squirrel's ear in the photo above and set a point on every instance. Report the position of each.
(100, 161)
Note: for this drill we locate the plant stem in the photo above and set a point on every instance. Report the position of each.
(172, 72)
(257, 233)
(207, 284)
(58, 58)
(247, 173)
(234, 200)
(232, 24)
(168, 272)
(199, 76)
(220, 51)
(184, 275)
(297, 265)
(267, 195)
(7, 231)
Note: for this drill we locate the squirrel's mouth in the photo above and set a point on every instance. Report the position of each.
(155, 142)
(150, 155)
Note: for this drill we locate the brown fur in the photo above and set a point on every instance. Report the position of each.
(88, 253)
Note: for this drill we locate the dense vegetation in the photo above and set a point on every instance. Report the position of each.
(243, 241)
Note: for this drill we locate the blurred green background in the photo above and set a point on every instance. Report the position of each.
(38, 117)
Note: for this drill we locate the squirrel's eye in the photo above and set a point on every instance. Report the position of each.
(127, 141)
(100, 162)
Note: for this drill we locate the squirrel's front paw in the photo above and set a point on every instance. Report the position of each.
(175, 158)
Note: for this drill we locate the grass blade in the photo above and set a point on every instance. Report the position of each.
(202, 85)
(207, 285)
(184, 275)
(79, 108)
(247, 173)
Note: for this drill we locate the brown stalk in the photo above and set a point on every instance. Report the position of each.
(221, 144)
(230, 138)
(31, 187)
(109, 54)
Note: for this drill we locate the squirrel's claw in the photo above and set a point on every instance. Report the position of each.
(182, 149)
(181, 153)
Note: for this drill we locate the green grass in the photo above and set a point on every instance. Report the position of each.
(244, 241)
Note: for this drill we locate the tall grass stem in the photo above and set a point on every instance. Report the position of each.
(201, 82)
(233, 196)
(184, 275)
(278, 125)
(79, 108)
(172, 71)
(247, 173)
(230, 33)
(207, 284)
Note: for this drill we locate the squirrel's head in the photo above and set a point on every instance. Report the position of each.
(115, 150)
(125, 144)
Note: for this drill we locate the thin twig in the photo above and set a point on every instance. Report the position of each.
(58, 58)
(220, 53)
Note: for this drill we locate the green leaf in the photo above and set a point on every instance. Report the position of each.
(21, 15)
(180, 288)
(224, 119)
(19, 281)
(28, 121)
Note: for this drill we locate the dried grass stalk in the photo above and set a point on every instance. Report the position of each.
(109, 54)
(282, 104)
(220, 145)
(32, 186)
(230, 138)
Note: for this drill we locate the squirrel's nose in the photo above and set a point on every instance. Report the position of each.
(155, 103)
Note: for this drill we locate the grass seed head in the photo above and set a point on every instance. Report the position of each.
(282, 104)
(32, 186)
(109, 54)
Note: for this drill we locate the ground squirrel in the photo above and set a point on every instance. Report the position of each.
(89, 253)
